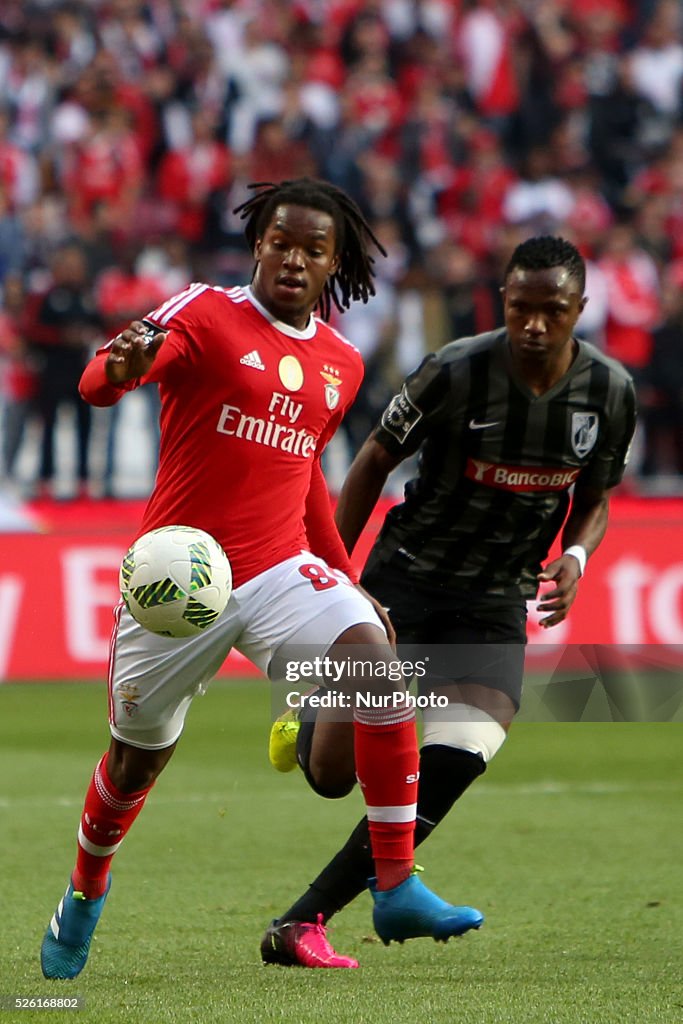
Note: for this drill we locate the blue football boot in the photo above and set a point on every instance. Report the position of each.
(411, 911)
(66, 944)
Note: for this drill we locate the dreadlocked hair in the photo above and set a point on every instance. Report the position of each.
(546, 251)
(353, 278)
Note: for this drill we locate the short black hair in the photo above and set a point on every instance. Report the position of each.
(546, 251)
(353, 279)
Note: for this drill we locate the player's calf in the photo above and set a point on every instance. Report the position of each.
(330, 765)
(324, 752)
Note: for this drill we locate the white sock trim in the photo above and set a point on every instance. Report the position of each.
(96, 851)
(384, 716)
(402, 813)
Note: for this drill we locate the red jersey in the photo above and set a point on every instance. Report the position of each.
(247, 406)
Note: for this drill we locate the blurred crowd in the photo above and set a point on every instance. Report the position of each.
(129, 131)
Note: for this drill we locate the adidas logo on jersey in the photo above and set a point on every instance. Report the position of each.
(252, 359)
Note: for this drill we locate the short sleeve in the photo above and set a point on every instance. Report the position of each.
(606, 468)
(420, 404)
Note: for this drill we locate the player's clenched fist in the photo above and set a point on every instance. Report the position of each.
(132, 352)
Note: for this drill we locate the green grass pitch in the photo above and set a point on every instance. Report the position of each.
(571, 845)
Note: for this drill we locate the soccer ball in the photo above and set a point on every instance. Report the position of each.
(175, 581)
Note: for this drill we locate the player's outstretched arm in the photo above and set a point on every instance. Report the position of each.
(132, 352)
(585, 527)
(362, 488)
(118, 366)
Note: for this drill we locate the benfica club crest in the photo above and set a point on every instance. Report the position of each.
(331, 396)
(332, 381)
(584, 432)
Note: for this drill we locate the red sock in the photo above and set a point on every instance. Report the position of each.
(387, 769)
(107, 816)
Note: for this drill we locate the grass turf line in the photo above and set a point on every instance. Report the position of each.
(568, 844)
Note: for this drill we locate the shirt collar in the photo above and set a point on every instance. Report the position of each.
(309, 330)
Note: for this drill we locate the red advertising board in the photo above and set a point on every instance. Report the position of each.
(57, 591)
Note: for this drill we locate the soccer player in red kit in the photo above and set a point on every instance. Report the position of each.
(250, 379)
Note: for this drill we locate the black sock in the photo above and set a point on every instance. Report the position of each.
(445, 774)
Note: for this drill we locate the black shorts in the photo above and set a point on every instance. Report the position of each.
(464, 637)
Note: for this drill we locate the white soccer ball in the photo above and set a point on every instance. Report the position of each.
(175, 581)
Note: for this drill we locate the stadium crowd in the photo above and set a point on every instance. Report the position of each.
(129, 130)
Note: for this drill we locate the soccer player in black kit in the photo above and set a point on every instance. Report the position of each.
(505, 424)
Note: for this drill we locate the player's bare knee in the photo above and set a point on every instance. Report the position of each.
(131, 769)
(367, 663)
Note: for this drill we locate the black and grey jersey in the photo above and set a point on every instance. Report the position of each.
(496, 461)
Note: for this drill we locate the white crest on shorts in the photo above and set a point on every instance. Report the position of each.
(584, 432)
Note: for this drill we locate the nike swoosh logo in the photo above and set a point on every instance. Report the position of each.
(480, 426)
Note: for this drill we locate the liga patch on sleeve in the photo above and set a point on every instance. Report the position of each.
(401, 416)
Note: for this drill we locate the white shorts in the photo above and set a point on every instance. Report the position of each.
(152, 679)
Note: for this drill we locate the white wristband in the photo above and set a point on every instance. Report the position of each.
(579, 554)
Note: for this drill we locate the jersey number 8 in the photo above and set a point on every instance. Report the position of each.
(317, 576)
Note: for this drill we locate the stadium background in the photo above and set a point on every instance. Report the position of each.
(57, 589)
(131, 128)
